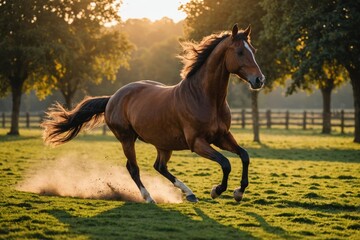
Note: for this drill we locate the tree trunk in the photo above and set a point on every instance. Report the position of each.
(16, 89)
(68, 88)
(326, 124)
(255, 115)
(68, 101)
(355, 82)
(68, 97)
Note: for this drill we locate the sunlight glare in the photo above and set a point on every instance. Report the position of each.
(153, 10)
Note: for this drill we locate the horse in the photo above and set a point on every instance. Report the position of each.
(193, 114)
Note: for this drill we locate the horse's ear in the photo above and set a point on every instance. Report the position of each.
(247, 31)
(235, 30)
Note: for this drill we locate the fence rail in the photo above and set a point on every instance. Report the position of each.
(294, 118)
(26, 119)
(267, 118)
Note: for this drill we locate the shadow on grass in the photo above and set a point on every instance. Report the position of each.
(11, 138)
(293, 154)
(319, 154)
(279, 231)
(318, 206)
(314, 205)
(147, 221)
(303, 154)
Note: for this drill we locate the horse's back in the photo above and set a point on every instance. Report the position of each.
(134, 95)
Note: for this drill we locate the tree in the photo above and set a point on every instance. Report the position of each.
(206, 17)
(328, 78)
(30, 32)
(24, 29)
(93, 53)
(313, 35)
(345, 19)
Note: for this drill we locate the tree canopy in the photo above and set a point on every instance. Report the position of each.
(317, 38)
(93, 53)
(32, 41)
(302, 34)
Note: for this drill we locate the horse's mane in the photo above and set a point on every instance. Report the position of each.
(195, 54)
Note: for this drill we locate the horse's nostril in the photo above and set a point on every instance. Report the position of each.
(260, 80)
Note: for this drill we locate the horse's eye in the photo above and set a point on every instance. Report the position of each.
(240, 52)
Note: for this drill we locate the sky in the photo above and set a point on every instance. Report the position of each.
(152, 9)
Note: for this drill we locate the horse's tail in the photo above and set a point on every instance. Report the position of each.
(60, 125)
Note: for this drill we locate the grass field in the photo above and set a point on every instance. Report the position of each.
(303, 185)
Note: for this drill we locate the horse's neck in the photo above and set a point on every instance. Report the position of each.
(216, 81)
(212, 78)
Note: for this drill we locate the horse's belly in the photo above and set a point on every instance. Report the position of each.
(165, 140)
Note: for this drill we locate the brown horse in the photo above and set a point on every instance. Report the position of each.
(190, 115)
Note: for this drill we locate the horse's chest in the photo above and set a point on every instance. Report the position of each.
(215, 130)
(209, 125)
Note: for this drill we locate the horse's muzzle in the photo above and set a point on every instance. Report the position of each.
(256, 83)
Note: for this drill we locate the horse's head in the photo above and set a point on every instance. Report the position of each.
(240, 59)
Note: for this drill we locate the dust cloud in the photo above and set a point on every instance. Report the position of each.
(74, 176)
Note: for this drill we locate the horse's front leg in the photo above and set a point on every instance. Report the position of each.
(228, 142)
(203, 148)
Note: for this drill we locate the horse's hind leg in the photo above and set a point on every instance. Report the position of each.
(133, 168)
(161, 166)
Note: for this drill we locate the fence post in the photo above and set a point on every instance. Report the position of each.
(27, 116)
(243, 118)
(304, 120)
(312, 119)
(342, 121)
(287, 118)
(268, 118)
(3, 120)
(104, 130)
(41, 117)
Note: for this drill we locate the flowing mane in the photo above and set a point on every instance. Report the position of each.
(195, 54)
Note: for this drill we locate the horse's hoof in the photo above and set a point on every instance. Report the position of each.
(213, 193)
(238, 195)
(192, 198)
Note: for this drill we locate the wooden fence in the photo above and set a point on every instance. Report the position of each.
(243, 117)
(26, 119)
(294, 118)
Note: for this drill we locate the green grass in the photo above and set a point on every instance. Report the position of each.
(303, 185)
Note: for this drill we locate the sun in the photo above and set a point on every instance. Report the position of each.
(153, 10)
